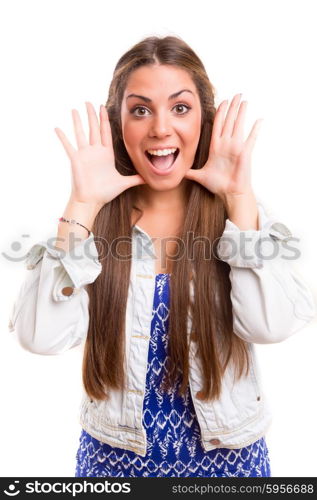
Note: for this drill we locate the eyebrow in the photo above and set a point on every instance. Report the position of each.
(147, 99)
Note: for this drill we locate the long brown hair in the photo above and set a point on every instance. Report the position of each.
(211, 312)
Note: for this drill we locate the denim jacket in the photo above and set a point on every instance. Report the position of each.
(270, 302)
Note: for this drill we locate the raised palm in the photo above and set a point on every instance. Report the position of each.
(95, 179)
(228, 168)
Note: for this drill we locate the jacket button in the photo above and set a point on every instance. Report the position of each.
(199, 395)
(215, 441)
(194, 336)
(67, 290)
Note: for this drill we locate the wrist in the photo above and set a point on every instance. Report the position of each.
(84, 207)
(242, 210)
(230, 199)
(82, 212)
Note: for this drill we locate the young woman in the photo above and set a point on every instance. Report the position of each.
(187, 277)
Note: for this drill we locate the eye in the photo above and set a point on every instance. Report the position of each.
(140, 111)
(142, 108)
(182, 106)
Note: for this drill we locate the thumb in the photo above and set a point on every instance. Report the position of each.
(194, 175)
(135, 180)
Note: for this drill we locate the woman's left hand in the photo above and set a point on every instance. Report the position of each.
(227, 171)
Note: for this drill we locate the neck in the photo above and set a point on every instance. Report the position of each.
(147, 198)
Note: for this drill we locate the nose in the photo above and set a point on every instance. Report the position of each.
(161, 125)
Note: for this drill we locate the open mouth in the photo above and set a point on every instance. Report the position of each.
(163, 162)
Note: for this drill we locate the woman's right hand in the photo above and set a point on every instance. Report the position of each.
(95, 179)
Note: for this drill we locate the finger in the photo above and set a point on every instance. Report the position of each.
(219, 120)
(79, 131)
(106, 135)
(229, 121)
(70, 150)
(239, 123)
(250, 142)
(94, 130)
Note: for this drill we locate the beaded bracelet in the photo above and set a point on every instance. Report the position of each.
(72, 221)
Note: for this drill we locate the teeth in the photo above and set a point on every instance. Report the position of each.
(161, 152)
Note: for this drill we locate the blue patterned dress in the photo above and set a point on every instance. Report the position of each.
(174, 447)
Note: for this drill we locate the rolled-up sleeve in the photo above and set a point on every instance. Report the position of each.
(50, 314)
(270, 300)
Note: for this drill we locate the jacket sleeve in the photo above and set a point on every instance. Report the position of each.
(270, 301)
(50, 314)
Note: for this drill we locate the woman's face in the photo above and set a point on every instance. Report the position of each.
(161, 111)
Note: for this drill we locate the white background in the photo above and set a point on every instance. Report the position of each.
(56, 54)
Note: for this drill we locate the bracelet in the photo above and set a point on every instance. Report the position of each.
(72, 221)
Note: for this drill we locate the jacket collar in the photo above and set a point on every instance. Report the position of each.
(142, 244)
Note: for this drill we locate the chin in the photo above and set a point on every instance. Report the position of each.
(164, 183)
